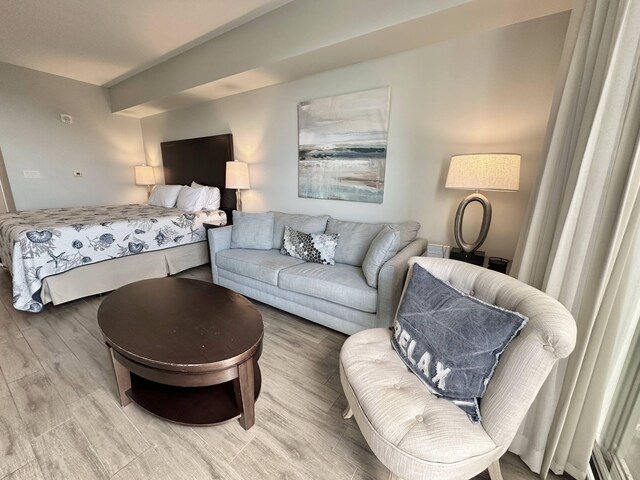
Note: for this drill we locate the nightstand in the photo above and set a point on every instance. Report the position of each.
(476, 258)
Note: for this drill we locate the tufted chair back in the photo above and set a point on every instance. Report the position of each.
(549, 336)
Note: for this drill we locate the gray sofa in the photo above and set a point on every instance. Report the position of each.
(338, 296)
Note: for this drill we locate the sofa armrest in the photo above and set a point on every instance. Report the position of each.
(391, 278)
(219, 239)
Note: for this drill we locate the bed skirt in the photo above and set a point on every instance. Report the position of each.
(109, 275)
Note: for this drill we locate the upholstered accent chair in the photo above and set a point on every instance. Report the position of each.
(419, 436)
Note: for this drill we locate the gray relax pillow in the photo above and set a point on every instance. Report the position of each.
(450, 340)
(252, 230)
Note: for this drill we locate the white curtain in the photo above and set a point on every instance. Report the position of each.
(581, 244)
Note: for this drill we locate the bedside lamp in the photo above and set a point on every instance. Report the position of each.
(237, 177)
(144, 176)
(483, 171)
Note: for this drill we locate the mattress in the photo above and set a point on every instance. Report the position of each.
(38, 244)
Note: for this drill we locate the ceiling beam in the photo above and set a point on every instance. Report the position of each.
(309, 36)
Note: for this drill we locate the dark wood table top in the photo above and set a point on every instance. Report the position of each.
(181, 324)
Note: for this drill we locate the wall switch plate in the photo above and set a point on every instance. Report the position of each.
(31, 173)
(77, 174)
(66, 118)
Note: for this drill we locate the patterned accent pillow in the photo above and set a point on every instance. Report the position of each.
(451, 341)
(310, 247)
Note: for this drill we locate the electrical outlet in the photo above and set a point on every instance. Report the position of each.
(77, 173)
(31, 173)
(440, 251)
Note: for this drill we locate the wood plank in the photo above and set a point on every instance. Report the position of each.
(31, 471)
(38, 402)
(185, 448)
(64, 453)
(94, 356)
(45, 342)
(150, 465)
(17, 360)
(114, 438)
(65, 324)
(4, 388)
(86, 314)
(15, 449)
(8, 326)
(69, 377)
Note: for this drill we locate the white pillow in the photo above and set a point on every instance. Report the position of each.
(212, 198)
(165, 195)
(191, 199)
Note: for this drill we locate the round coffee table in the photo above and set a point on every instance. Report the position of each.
(184, 350)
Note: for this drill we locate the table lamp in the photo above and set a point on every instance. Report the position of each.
(237, 177)
(144, 176)
(482, 171)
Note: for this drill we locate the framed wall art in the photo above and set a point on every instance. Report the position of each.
(342, 146)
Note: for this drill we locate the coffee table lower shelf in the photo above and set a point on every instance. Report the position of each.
(199, 406)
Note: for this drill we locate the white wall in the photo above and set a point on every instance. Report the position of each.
(103, 146)
(483, 93)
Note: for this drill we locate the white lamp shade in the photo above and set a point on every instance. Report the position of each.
(485, 171)
(144, 175)
(237, 175)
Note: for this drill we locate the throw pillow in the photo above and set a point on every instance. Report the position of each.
(383, 247)
(408, 232)
(191, 199)
(302, 223)
(252, 230)
(165, 195)
(450, 340)
(310, 247)
(355, 239)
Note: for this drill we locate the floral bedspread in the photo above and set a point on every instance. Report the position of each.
(35, 244)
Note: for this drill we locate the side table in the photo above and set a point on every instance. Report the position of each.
(476, 258)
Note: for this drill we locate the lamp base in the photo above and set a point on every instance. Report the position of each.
(476, 258)
(484, 228)
(238, 200)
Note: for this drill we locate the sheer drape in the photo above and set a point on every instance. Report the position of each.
(581, 242)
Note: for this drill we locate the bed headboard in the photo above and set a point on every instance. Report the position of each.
(202, 160)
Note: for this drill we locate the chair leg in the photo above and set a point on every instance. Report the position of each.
(494, 471)
(347, 412)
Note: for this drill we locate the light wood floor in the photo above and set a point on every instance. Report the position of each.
(59, 416)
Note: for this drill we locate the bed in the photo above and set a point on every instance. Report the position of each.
(59, 255)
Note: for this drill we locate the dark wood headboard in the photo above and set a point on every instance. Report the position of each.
(202, 160)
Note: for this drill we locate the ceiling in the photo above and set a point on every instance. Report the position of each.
(106, 41)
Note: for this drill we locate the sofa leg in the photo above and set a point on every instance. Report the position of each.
(494, 471)
(347, 412)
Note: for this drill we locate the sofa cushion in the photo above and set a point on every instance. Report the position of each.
(252, 230)
(415, 425)
(341, 284)
(355, 239)
(383, 247)
(301, 223)
(263, 265)
(310, 247)
(408, 233)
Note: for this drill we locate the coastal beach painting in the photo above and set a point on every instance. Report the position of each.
(342, 146)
